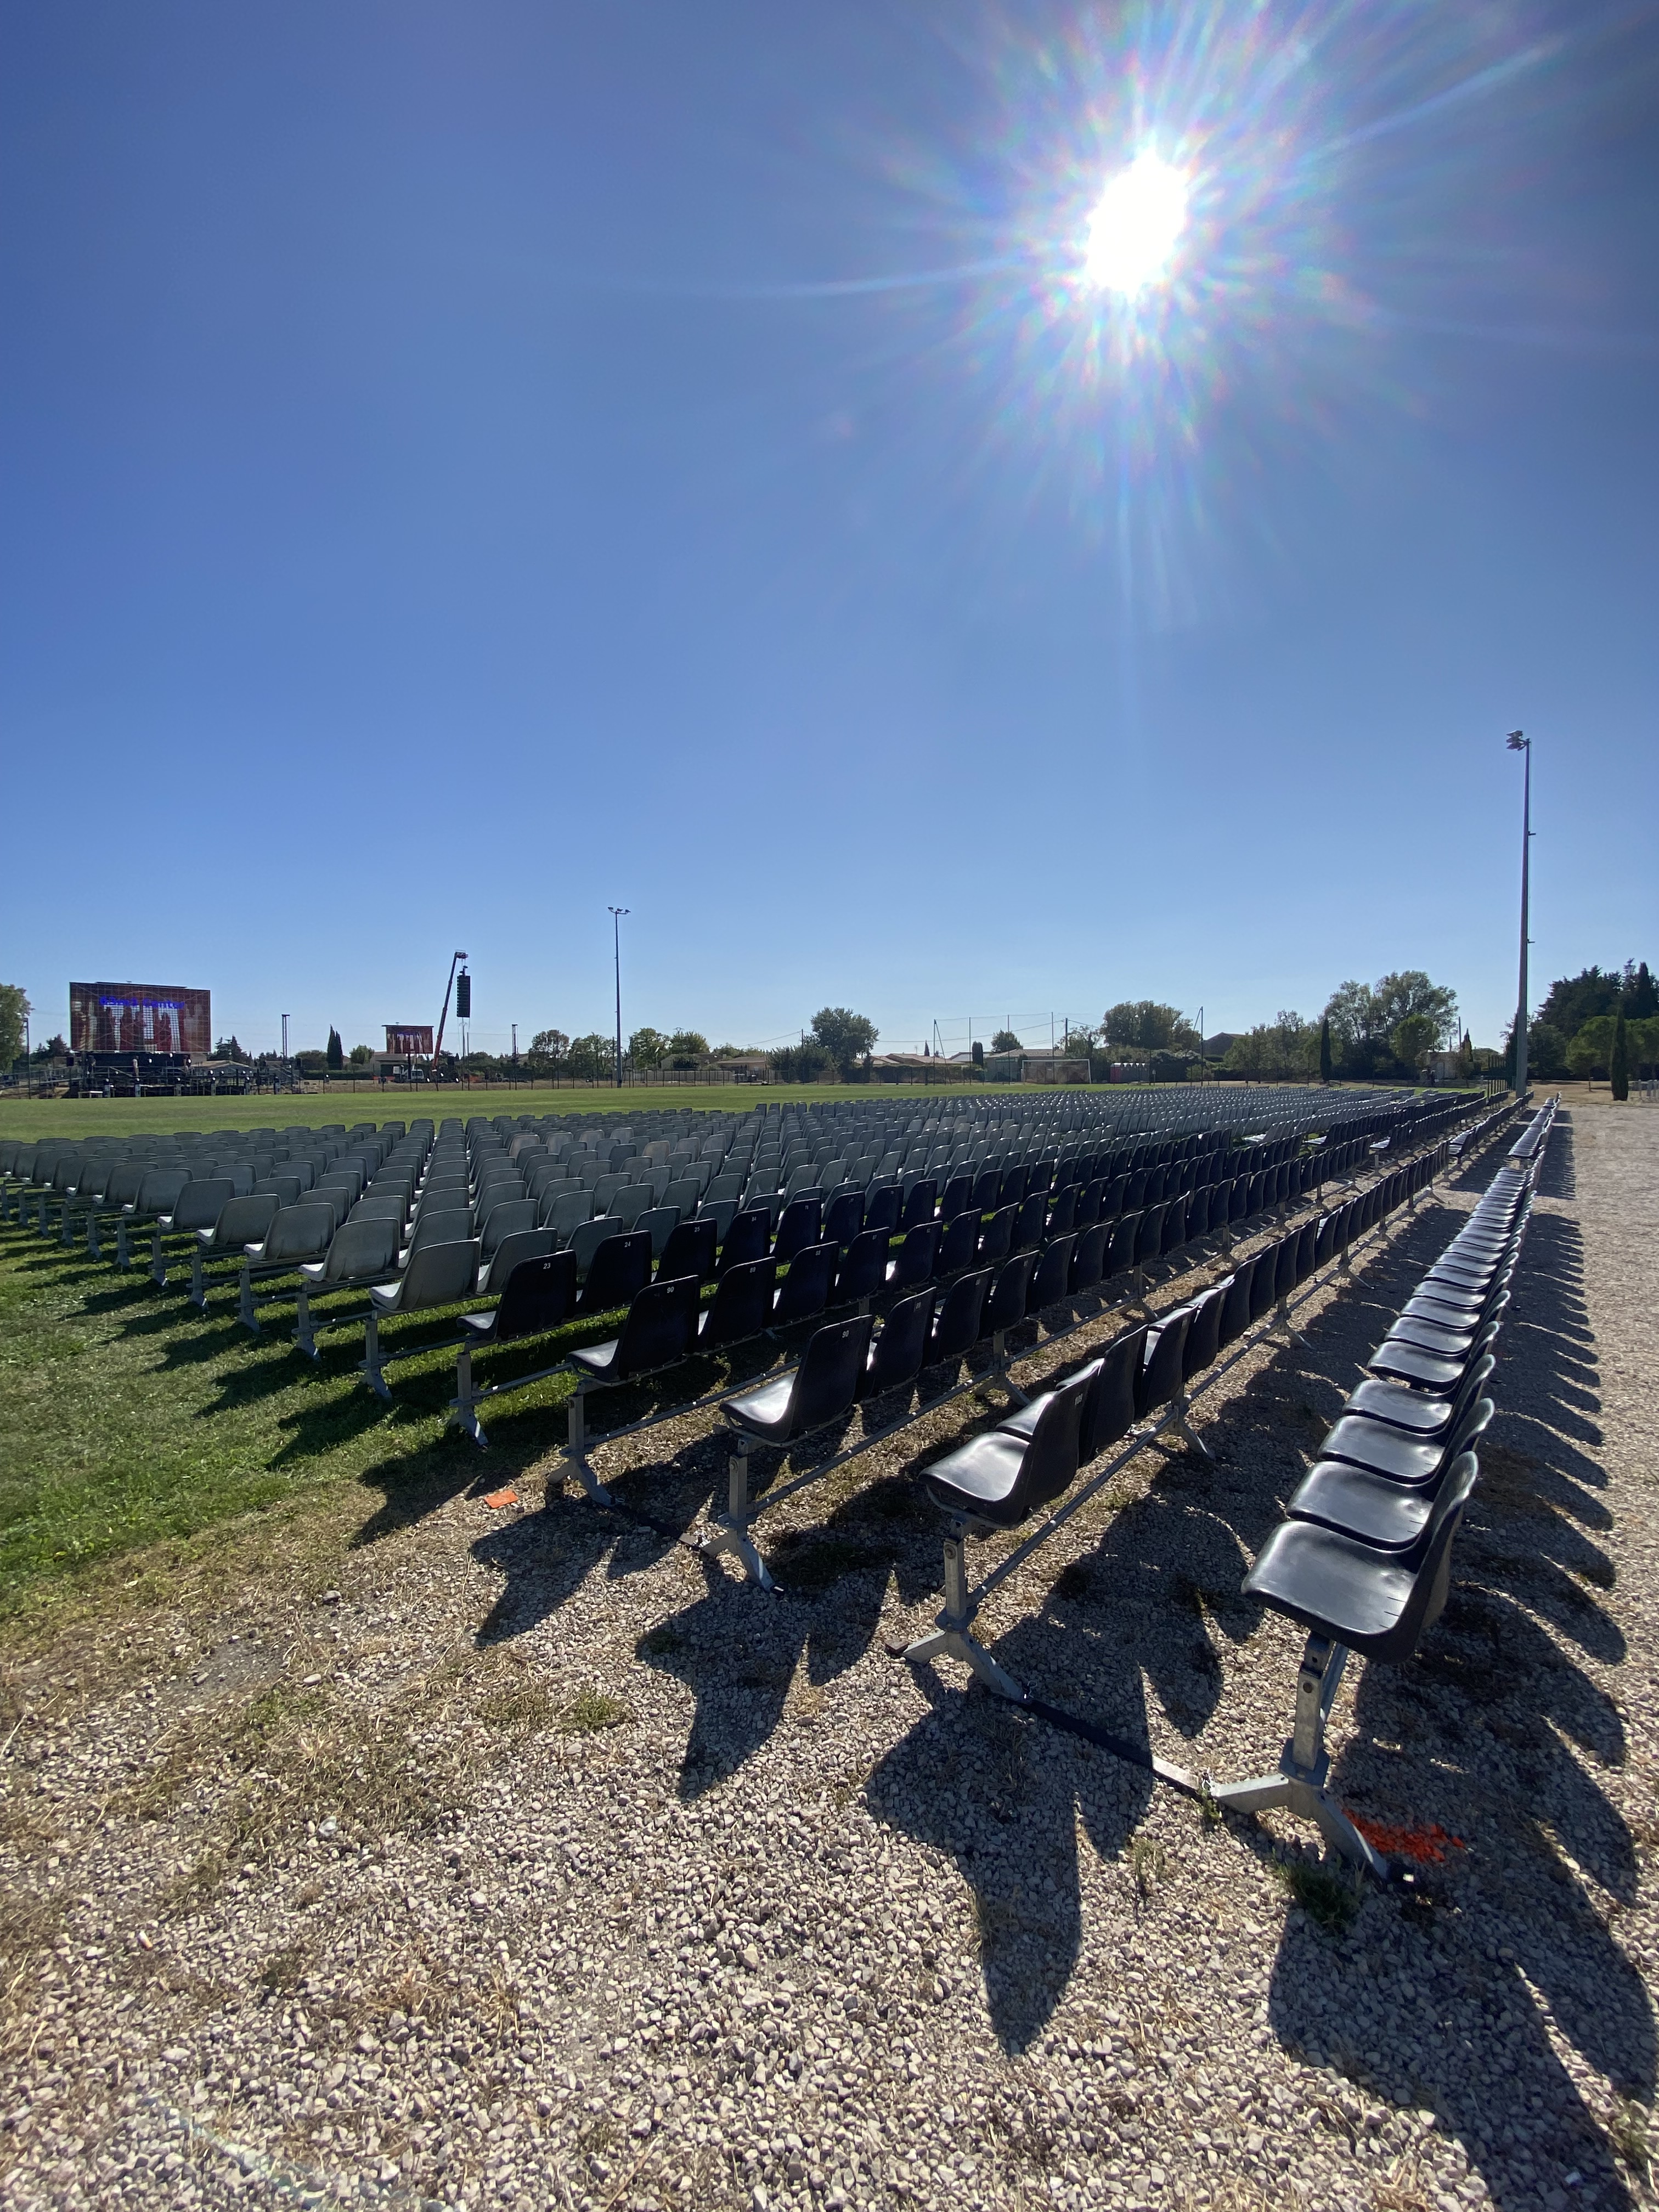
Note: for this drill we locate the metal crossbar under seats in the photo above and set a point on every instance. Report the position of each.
(953, 1634)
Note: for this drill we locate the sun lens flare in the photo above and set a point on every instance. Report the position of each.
(1136, 227)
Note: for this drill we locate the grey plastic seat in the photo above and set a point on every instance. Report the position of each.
(521, 1245)
(241, 1222)
(438, 1275)
(510, 1219)
(588, 1235)
(564, 1213)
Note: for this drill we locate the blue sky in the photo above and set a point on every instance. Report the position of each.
(464, 466)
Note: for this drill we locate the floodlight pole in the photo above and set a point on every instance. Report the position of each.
(1519, 742)
(616, 913)
(454, 963)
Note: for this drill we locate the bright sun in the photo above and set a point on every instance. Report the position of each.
(1136, 227)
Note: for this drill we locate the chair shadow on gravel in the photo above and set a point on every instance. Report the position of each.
(1494, 1735)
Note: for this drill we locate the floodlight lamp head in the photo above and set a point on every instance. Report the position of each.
(1515, 742)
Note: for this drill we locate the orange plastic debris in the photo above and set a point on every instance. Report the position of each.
(1427, 1846)
(498, 1498)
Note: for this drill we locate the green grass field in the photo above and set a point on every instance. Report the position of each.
(97, 1117)
(128, 1418)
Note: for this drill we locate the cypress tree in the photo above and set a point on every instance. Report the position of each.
(336, 1054)
(1619, 1063)
(1325, 1048)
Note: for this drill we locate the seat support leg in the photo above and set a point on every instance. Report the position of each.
(303, 1335)
(158, 1266)
(465, 1415)
(66, 1234)
(1299, 1785)
(373, 1373)
(951, 1639)
(93, 1251)
(576, 1449)
(122, 1253)
(244, 1310)
(731, 1530)
(1176, 1424)
(1282, 1320)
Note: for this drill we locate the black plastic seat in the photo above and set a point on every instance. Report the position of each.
(1149, 1237)
(660, 1328)
(959, 1197)
(1159, 1379)
(996, 1238)
(1285, 1255)
(741, 1307)
(1062, 1213)
(1090, 1198)
(538, 1295)
(1263, 1281)
(1203, 1346)
(1423, 1370)
(918, 1257)
(1372, 1603)
(804, 1292)
(823, 1388)
(986, 1183)
(1121, 1253)
(748, 1239)
(959, 1246)
(1007, 1301)
(512, 1251)
(1010, 1191)
(881, 1208)
(690, 1250)
(1030, 1217)
(843, 1218)
(1236, 1305)
(620, 1270)
(956, 1321)
(1089, 1258)
(1114, 1199)
(999, 1479)
(799, 1226)
(1418, 1412)
(1051, 1279)
(897, 1355)
(862, 1268)
(1395, 1455)
(920, 1202)
(1173, 1235)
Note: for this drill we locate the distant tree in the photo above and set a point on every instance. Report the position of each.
(1547, 1050)
(1644, 1044)
(228, 1048)
(1364, 1016)
(312, 1063)
(977, 1055)
(1590, 1053)
(1325, 1048)
(647, 1047)
(1149, 1025)
(15, 1011)
(550, 1045)
(1641, 994)
(360, 1056)
(1618, 1058)
(1006, 1041)
(335, 1049)
(591, 1056)
(845, 1037)
(801, 1063)
(687, 1046)
(1572, 1000)
(1412, 1040)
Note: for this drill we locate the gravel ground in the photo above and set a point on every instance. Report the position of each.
(513, 1854)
